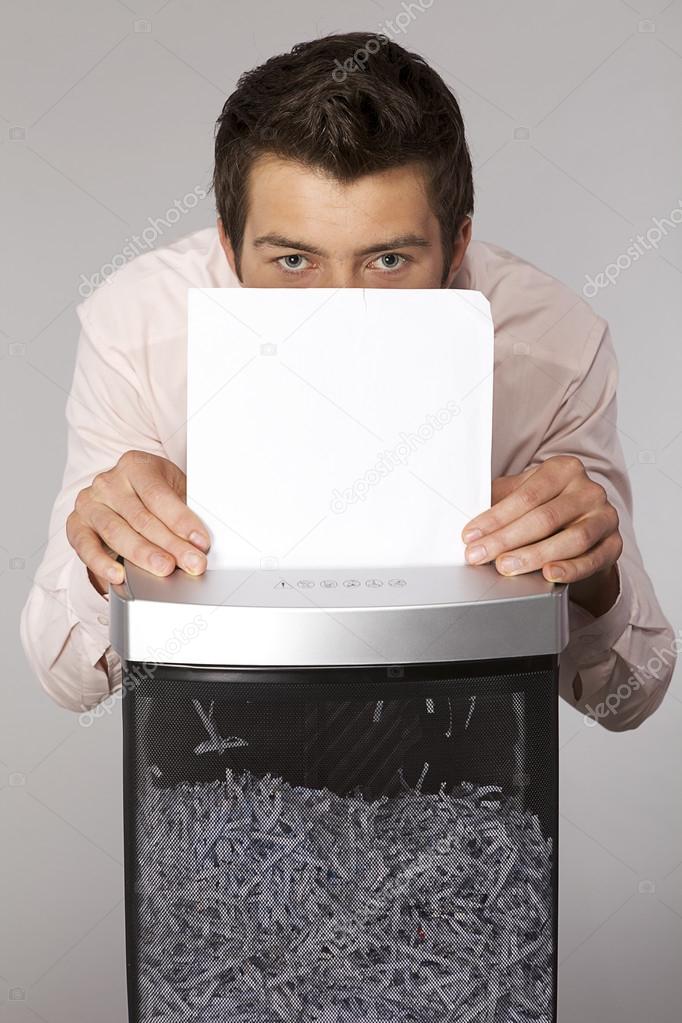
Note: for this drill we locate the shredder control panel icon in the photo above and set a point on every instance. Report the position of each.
(307, 583)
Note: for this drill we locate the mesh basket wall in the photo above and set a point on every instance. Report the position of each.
(342, 845)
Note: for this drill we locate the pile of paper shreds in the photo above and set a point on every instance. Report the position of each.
(263, 902)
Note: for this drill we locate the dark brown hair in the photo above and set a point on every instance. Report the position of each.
(349, 105)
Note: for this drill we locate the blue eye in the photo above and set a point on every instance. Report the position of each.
(292, 262)
(391, 261)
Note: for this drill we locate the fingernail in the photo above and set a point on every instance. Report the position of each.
(115, 575)
(555, 572)
(159, 563)
(472, 534)
(193, 562)
(199, 540)
(510, 564)
(476, 554)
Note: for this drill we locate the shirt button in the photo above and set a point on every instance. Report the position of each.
(102, 619)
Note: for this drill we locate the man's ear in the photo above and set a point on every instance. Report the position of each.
(227, 248)
(460, 247)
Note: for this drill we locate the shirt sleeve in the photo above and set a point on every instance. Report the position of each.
(64, 624)
(617, 666)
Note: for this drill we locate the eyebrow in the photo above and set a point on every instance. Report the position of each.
(401, 242)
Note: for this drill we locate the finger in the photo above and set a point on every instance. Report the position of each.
(541, 485)
(144, 522)
(532, 527)
(503, 485)
(92, 551)
(602, 556)
(570, 543)
(122, 538)
(156, 491)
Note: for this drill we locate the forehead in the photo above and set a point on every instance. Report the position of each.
(294, 199)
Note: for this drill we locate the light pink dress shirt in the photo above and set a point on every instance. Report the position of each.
(554, 393)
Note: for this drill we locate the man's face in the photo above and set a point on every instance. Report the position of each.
(305, 229)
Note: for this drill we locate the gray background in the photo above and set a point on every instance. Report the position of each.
(575, 122)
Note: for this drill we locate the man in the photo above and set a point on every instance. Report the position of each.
(361, 179)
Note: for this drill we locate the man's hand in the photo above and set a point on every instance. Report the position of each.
(138, 510)
(555, 518)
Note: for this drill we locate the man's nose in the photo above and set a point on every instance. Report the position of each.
(340, 275)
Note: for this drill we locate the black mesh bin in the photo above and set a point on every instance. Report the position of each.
(342, 842)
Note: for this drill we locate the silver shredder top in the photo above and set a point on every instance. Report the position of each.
(287, 618)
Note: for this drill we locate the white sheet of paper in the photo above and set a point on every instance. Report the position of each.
(338, 428)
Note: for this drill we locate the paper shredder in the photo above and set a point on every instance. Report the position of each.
(340, 794)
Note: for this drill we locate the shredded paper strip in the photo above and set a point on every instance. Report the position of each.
(263, 902)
